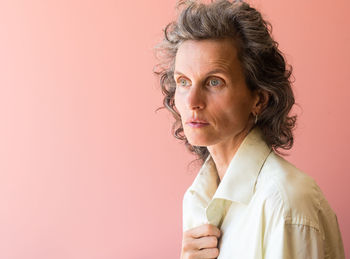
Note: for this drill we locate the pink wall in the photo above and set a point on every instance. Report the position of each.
(88, 169)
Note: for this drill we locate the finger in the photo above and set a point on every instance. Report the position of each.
(204, 230)
(207, 253)
(205, 242)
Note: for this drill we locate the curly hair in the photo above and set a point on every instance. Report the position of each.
(264, 66)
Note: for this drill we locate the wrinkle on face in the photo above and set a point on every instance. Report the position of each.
(225, 63)
(227, 108)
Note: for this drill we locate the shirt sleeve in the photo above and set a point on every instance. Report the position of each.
(294, 241)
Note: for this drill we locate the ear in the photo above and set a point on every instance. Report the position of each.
(261, 100)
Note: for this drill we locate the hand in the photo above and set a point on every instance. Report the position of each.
(200, 242)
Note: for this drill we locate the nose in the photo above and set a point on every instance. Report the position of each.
(195, 98)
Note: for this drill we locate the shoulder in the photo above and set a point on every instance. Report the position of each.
(294, 204)
(296, 194)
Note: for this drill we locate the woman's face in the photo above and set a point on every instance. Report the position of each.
(210, 87)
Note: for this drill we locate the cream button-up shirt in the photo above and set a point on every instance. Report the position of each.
(264, 206)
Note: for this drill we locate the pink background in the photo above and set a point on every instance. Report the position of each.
(89, 170)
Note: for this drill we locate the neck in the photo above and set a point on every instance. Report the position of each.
(223, 152)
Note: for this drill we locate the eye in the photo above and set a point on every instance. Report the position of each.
(183, 82)
(215, 82)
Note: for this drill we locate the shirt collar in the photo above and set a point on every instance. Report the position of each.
(239, 181)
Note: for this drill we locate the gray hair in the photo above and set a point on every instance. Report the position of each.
(263, 64)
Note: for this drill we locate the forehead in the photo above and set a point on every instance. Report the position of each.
(206, 54)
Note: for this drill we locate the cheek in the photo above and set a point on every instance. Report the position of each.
(178, 103)
(229, 114)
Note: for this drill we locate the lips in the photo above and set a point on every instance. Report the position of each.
(197, 123)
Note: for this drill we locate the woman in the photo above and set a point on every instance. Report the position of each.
(228, 87)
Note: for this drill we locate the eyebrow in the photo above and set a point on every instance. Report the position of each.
(214, 71)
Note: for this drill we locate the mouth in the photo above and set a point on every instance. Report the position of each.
(196, 124)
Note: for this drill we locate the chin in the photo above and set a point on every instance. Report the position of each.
(199, 142)
(200, 139)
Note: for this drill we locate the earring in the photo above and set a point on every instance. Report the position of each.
(256, 118)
